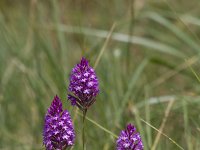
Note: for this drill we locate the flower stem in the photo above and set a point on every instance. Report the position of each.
(83, 130)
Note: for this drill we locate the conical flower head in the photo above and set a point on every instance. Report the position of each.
(84, 85)
(129, 139)
(58, 132)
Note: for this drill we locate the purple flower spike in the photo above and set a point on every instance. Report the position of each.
(129, 139)
(84, 85)
(58, 130)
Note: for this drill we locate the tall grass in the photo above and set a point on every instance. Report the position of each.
(142, 66)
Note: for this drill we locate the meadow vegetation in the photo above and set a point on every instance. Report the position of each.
(146, 56)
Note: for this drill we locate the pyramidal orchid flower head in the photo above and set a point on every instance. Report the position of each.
(83, 86)
(129, 139)
(58, 132)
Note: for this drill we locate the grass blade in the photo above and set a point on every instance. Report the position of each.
(151, 44)
(131, 86)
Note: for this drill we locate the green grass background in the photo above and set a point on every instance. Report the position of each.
(151, 59)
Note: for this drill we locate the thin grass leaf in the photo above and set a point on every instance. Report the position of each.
(178, 32)
(181, 21)
(104, 46)
(191, 19)
(195, 74)
(99, 126)
(167, 111)
(163, 134)
(136, 75)
(169, 74)
(150, 44)
(147, 115)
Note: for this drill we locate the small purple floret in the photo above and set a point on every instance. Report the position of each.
(58, 130)
(129, 139)
(83, 86)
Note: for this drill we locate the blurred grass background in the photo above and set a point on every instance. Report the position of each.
(151, 63)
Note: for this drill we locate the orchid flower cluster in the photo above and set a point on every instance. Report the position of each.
(59, 132)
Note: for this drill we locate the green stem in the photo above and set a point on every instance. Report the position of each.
(131, 31)
(83, 130)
